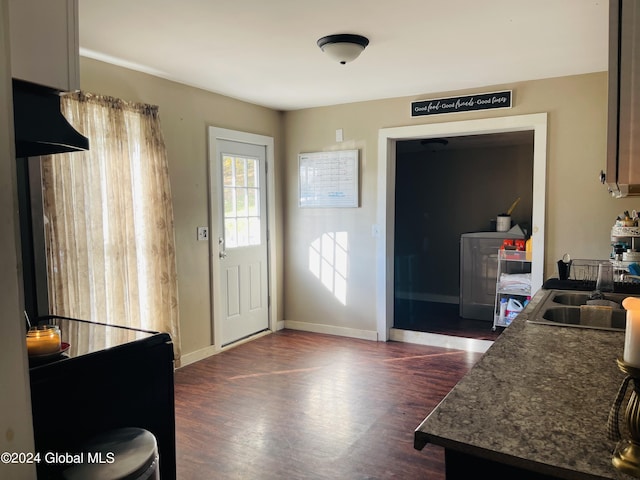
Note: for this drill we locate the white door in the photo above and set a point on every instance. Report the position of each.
(242, 240)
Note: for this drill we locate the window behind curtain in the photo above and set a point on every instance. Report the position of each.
(109, 221)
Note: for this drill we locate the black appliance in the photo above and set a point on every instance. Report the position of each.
(85, 392)
(40, 129)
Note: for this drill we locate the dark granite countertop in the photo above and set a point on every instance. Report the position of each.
(538, 399)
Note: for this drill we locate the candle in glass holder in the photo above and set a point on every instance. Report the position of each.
(43, 340)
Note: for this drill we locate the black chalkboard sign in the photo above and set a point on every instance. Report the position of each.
(467, 103)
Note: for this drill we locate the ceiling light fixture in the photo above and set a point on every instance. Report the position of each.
(343, 47)
(443, 142)
(434, 144)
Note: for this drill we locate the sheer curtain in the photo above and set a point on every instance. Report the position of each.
(109, 222)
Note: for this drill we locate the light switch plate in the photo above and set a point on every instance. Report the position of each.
(203, 234)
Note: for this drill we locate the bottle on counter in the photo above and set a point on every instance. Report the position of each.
(503, 310)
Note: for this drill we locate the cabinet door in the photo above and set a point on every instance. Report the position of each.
(623, 128)
(612, 94)
(629, 81)
(44, 42)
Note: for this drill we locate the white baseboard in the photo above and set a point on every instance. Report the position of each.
(332, 330)
(437, 340)
(396, 335)
(198, 355)
(203, 353)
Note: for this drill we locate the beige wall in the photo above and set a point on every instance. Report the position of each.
(580, 212)
(185, 114)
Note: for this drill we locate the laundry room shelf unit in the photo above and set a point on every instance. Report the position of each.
(513, 285)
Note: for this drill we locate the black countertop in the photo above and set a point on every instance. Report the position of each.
(85, 337)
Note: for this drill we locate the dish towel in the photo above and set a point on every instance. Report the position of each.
(613, 422)
(515, 281)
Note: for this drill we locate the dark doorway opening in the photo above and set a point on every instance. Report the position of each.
(446, 187)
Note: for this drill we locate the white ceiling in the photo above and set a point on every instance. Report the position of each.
(265, 52)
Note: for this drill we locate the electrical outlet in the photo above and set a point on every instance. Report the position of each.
(203, 234)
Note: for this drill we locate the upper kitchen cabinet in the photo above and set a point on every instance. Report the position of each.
(44, 42)
(623, 128)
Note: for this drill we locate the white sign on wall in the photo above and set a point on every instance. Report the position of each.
(329, 179)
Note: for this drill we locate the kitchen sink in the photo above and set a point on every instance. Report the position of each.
(576, 299)
(573, 299)
(591, 317)
(576, 309)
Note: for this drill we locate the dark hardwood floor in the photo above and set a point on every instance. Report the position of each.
(442, 318)
(298, 405)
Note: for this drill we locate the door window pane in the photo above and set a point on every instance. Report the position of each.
(254, 231)
(241, 172)
(254, 202)
(252, 173)
(230, 235)
(227, 170)
(241, 202)
(243, 231)
(229, 202)
(242, 222)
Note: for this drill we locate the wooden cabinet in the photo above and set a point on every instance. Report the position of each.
(44, 42)
(623, 127)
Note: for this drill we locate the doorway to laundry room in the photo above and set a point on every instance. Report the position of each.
(446, 187)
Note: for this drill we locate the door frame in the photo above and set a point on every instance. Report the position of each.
(215, 134)
(387, 138)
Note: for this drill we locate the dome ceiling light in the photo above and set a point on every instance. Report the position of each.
(443, 142)
(343, 47)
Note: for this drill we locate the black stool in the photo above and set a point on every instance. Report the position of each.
(121, 454)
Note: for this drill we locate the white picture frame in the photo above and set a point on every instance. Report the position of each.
(329, 179)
